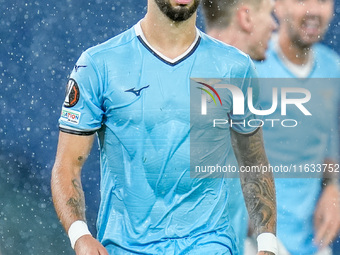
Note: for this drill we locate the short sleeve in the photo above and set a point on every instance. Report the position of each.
(247, 122)
(82, 111)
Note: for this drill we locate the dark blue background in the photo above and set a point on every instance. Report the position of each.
(39, 45)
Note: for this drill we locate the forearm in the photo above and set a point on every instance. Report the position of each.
(68, 196)
(258, 188)
(67, 192)
(327, 210)
(259, 194)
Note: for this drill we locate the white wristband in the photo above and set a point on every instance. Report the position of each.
(267, 242)
(77, 229)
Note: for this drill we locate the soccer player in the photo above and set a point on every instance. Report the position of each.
(308, 209)
(134, 92)
(244, 24)
(248, 26)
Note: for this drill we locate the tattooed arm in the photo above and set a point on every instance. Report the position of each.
(258, 188)
(67, 191)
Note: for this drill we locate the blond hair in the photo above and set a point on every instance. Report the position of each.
(219, 13)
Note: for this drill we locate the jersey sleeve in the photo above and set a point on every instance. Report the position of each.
(82, 111)
(247, 122)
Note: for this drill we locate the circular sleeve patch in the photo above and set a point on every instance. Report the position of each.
(72, 93)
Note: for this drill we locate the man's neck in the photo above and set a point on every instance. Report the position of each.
(169, 38)
(230, 36)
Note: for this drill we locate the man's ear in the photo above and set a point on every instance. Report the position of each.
(244, 18)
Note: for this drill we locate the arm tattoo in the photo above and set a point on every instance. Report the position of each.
(77, 202)
(258, 188)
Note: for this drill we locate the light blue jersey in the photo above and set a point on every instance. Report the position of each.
(314, 139)
(138, 101)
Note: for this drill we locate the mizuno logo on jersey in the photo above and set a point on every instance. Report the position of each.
(77, 67)
(136, 91)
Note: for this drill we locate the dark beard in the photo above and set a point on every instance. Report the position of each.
(177, 14)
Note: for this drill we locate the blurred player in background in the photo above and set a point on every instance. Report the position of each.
(134, 92)
(246, 25)
(308, 209)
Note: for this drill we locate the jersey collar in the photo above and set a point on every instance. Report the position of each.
(169, 61)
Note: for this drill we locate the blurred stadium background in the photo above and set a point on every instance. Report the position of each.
(40, 42)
